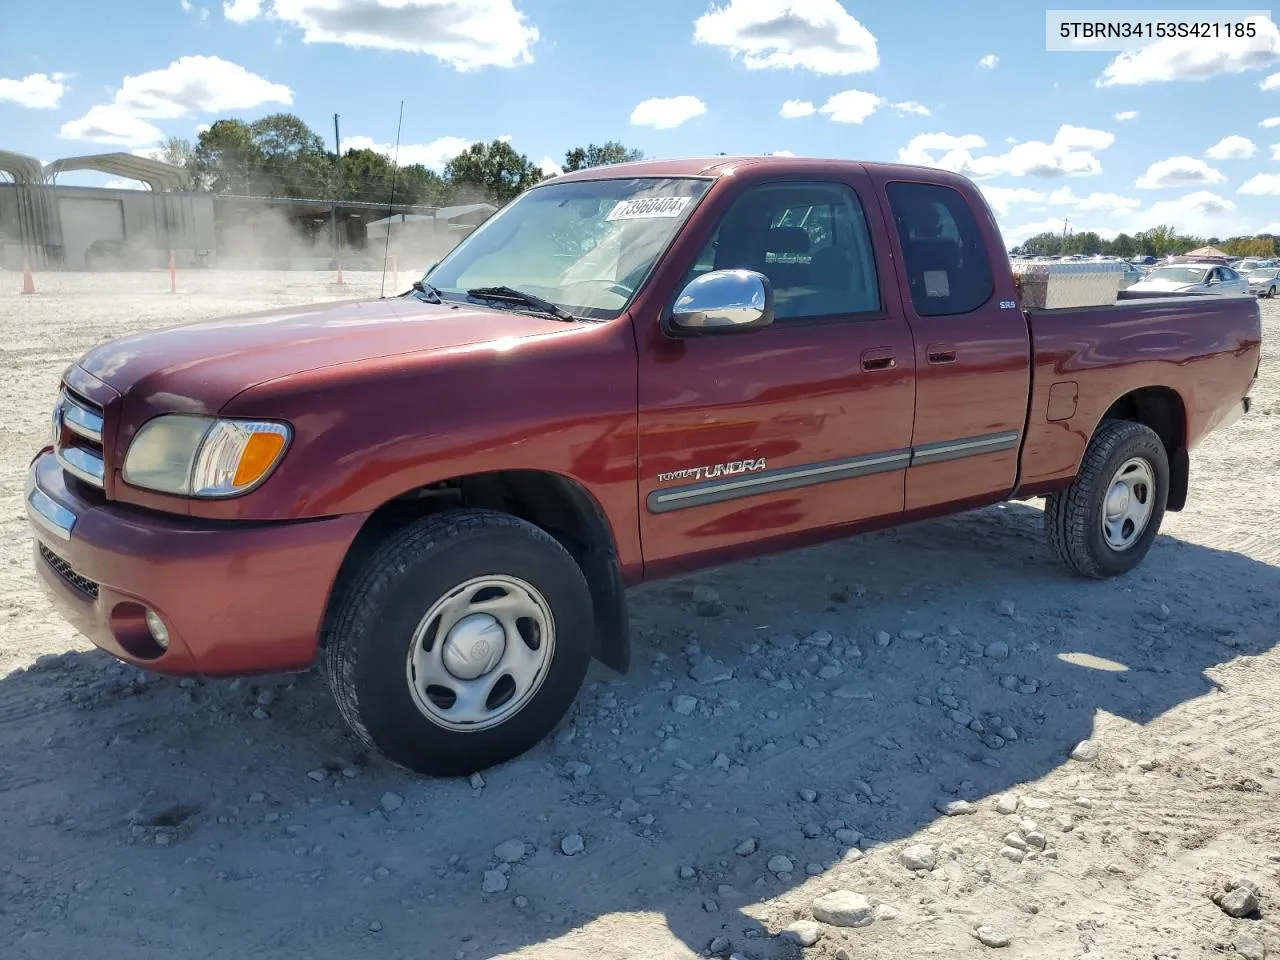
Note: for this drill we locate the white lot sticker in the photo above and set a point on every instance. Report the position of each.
(648, 208)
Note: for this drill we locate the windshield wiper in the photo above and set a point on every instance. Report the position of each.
(519, 296)
(431, 294)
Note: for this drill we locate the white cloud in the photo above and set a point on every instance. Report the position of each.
(466, 34)
(110, 124)
(989, 61)
(816, 35)
(187, 85)
(122, 183)
(1275, 151)
(851, 106)
(186, 5)
(36, 91)
(1070, 154)
(505, 138)
(434, 155)
(795, 109)
(202, 127)
(1002, 198)
(1195, 58)
(1178, 172)
(1110, 203)
(549, 167)
(664, 113)
(910, 106)
(197, 85)
(1270, 122)
(1200, 214)
(241, 11)
(1125, 115)
(1234, 147)
(1262, 185)
(204, 14)
(782, 153)
(1270, 83)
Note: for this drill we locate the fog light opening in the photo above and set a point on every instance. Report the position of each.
(159, 632)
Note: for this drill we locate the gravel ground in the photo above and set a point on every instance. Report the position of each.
(930, 742)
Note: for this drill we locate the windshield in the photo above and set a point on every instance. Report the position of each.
(586, 246)
(1263, 273)
(1178, 274)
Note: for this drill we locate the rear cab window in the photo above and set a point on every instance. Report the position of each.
(944, 256)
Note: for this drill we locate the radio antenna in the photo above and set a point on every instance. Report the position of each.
(391, 203)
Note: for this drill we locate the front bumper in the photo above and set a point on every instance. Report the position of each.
(237, 598)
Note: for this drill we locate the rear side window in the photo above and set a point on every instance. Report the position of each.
(945, 259)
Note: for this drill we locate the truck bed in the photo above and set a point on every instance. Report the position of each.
(1196, 354)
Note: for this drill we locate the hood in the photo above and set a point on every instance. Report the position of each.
(204, 364)
(1165, 286)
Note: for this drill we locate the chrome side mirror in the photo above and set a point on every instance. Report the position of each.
(722, 301)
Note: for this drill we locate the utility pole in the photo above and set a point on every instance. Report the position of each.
(337, 189)
(1065, 221)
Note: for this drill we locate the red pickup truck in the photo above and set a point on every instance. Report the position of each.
(629, 372)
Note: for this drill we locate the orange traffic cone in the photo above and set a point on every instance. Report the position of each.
(28, 281)
(173, 272)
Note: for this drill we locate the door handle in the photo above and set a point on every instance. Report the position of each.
(941, 353)
(879, 358)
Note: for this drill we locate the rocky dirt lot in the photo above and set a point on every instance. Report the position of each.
(924, 743)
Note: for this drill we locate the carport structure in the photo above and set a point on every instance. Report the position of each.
(36, 213)
(30, 206)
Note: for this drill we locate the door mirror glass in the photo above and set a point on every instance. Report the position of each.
(723, 301)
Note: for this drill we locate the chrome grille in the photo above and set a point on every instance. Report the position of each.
(77, 437)
(63, 569)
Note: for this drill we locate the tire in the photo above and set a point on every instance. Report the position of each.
(1271, 293)
(389, 667)
(1074, 518)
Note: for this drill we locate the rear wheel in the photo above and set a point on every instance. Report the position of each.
(1105, 522)
(462, 642)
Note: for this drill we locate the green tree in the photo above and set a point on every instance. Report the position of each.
(294, 158)
(1042, 245)
(580, 158)
(226, 158)
(1123, 246)
(491, 171)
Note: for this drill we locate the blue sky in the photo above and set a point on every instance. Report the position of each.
(966, 86)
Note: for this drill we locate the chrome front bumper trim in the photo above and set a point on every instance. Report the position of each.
(47, 513)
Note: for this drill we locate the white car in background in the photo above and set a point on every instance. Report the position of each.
(1264, 281)
(1204, 279)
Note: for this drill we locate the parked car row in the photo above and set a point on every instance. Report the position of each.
(1258, 277)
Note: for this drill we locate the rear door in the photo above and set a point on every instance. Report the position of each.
(972, 347)
(798, 428)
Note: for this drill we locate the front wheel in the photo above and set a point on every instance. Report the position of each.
(462, 642)
(1271, 293)
(1105, 522)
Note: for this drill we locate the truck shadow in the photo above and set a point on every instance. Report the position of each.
(241, 813)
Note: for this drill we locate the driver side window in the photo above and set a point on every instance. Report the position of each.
(810, 239)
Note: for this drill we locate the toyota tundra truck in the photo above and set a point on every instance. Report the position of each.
(628, 373)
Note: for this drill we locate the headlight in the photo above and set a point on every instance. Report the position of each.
(204, 457)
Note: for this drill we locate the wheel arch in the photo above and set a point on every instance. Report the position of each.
(557, 504)
(1163, 410)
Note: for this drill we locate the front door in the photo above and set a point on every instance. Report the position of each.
(972, 350)
(798, 427)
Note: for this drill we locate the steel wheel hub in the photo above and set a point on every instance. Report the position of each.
(1129, 503)
(480, 653)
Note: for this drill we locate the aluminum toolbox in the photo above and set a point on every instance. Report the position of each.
(1053, 284)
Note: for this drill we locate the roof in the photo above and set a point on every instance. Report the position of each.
(22, 168)
(156, 174)
(719, 166)
(1206, 252)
